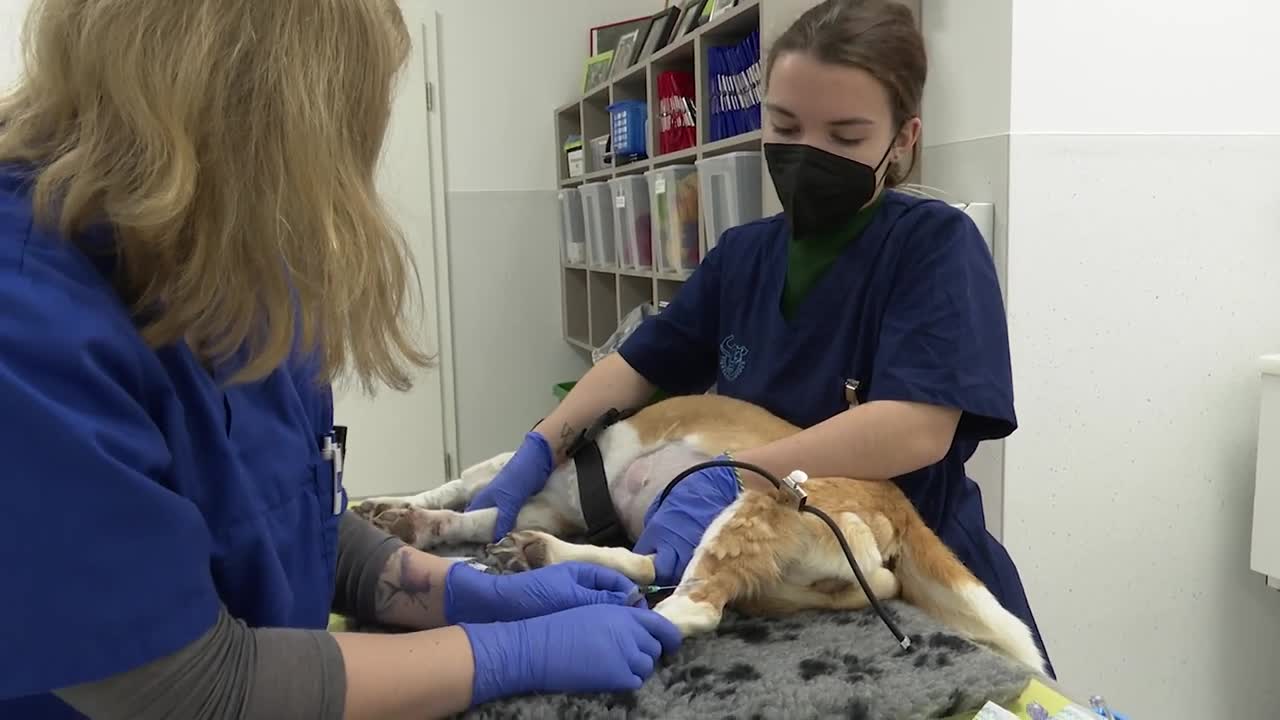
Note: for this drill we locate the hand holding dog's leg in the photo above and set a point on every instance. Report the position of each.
(519, 480)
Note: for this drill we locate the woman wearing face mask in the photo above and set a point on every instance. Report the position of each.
(853, 282)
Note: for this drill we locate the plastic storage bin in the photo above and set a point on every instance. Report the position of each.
(627, 121)
(597, 151)
(673, 200)
(730, 187)
(631, 222)
(597, 220)
(573, 231)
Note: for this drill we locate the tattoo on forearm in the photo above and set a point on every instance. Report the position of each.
(403, 588)
(567, 434)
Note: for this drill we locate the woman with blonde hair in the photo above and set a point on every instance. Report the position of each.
(191, 250)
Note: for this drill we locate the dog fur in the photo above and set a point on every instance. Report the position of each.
(759, 555)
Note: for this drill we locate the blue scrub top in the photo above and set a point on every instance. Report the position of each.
(140, 493)
(911, 310)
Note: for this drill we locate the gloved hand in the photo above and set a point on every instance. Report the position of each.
(475, 596)
(600, 648)
(673, 529)
(521, 478)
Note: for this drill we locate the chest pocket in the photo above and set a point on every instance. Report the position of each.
(274, 560)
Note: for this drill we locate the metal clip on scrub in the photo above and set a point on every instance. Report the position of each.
(798, 499)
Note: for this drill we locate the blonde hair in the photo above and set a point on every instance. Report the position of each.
(231, 145)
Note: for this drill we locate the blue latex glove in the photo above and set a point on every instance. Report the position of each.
(673, 529)
(474, 596)
(524, 476)
(600, 648)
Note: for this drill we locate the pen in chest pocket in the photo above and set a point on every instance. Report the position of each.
(333, 450)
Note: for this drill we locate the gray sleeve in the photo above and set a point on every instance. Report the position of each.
(363, 553)
(232, 672)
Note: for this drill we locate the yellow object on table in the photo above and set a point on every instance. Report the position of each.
(1036, 691)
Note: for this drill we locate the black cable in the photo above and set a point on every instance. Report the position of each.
(903, 640)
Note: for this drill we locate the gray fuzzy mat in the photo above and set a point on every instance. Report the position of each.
(811, 665)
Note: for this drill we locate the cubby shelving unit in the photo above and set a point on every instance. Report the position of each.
(595, 299)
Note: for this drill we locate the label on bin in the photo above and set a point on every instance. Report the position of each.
(620, 201)
(660, 185)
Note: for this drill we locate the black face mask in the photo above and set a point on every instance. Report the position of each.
(820, 192)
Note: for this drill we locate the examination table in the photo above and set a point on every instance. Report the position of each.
(812, 665)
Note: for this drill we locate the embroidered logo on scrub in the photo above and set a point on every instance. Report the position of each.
(733, 358)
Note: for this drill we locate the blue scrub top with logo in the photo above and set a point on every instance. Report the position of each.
(911, 310)
(139, 491)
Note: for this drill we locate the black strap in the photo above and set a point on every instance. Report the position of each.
(604, 529)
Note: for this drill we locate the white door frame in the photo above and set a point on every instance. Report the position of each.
(429, 35)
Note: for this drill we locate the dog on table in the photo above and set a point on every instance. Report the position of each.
(759, 555)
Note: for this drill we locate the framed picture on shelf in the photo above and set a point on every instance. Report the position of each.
(606, 37)
(661, 29)
(625, 54)
(597, 70)
(708, 9)
(691, 16)
(722, 7)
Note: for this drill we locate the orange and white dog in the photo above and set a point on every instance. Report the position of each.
(759, 555)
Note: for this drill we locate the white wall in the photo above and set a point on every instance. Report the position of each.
(1144, 264)
(967, 95)
(506, 67)
(1145, 66)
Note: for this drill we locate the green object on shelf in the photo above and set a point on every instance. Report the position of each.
(560, 390)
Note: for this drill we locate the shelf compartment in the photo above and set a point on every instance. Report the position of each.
(568, 122)
(666, 289)
(602, 299)
(595, 123)
(576, 321)
(633, 292)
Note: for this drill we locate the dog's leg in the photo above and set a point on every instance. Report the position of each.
(825, 560)
(528, 549)
(738, 555)
(786, 598)
(453, 495)
(424, 529)
(819, 577)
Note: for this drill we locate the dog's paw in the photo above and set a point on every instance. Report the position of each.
(523, 550)
(373, 507)
(404, 521)
(691, 617)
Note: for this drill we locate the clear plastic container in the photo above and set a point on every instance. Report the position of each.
(596, 152)
(673, 199)
(573, 231)
(598, 223)
(730, 186)
(632, 222)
